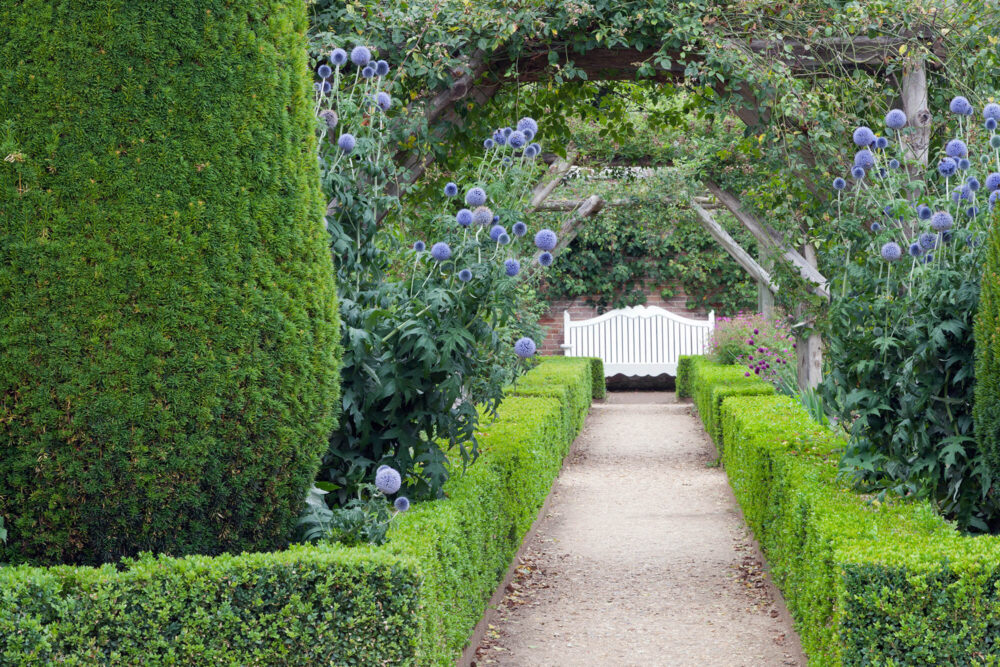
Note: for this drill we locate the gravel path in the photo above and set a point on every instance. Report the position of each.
(642, 557)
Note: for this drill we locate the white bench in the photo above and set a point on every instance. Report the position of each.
(637, 341)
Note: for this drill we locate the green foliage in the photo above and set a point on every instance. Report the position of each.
(683, 385)
(168, 318)
(656, 240)
(708, 383)
(568, 379)
(986, 407)
(363, 519)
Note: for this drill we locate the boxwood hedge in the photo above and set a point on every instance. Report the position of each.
(868, 582)
(412, 601)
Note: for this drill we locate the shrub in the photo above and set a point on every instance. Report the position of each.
(710, 383)
(986, 407)
(683, 385)
(569, 379)
(169, 323)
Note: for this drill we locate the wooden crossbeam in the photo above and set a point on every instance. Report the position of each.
(735, 250)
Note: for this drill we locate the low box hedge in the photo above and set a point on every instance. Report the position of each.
(708, 383)
(868, 583)
(412, 601)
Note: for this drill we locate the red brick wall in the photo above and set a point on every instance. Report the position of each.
(552, 321)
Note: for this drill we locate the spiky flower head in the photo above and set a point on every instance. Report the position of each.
(527, 123)
(891, 251)
(915, 250)
(338, 57)
(876, 227)
(361, 56)
(381, 68)
(482, 216)
(947, 167)
(324, 71)
(450, 190)
(368, 73)
(990, 124)
(537, 149)
(865, 159)
(881, 143)
(972, 212)
(496, 231)
(464, 217)
(524, 348)
(465, 275)
(475, 197)
(326, 87)
(959, 105)
(992, 111)
(531, 151)
(528, 134)
(520, 229)
(329, 116)
(401, 504)
(517, 139)
(388, 480)
(973, 183)
(893, 163)
(507, 161)
(504, 239)
(512, 267)
(347, 143)
(956, 148)
(928, 258)
(496, 219)
(946, 236)
(500, 138)
(924, 212)
(545, 259)
(858, 173)
(488, 144)
(941, 221)
(895, 119)
(441, 251)
(839, 183)
(419, 246)
(864, 137)
(995, 141)
(507, 131)
(927, 240)
(994, 196)
(964, 164)
(383, 100)
(960, 193)
(546, 239)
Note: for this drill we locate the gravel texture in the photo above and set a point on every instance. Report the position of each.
(643, 557)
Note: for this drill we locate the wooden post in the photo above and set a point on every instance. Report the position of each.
(765, 298)
(809, 348)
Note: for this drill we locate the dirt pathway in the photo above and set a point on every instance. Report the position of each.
(642, 557)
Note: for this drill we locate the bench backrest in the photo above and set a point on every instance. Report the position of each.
(637, 341)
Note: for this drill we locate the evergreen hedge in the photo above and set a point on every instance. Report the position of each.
(167, 308)
(986, 407)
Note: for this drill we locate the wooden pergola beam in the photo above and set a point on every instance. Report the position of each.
(736, 251)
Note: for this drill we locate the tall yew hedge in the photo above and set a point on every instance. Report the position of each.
(986, 407)
(168, 323)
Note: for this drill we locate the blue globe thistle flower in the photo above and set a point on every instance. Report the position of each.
(893, 163)
(528, 134)
(956, 148)
(924, 212)
(419, 246)
(475, 197)
(507, 131)
(546, 239)
(887, 211)
(347, 143)
(531, 151)
(960, 193)
(865, 159)
(383, 100)
(465, 275)
(503, 239)
(488, 144)
(545, 259)
(876, 227)
(882, 173)
(482, 216)
(326, 87)
(990, 124)
(858, 173)
(927, 240)
(995, 141)
(450, 190)
(317, 86)
(338, 57)
(992, 111)
(929, 258)
(401, 504)
(973, 183)
(524, 348)
(441, 251)
(329, 116)
(972, 212)
(895, 119)
(496, 219)
(520, 229)
(361, 56)
(388, 480)
(947, 167)
(946, 236)
(941, 221)
(839, 183)
(507, 161)
(381, 468)
(993, 181)
(499, 138)
(864, 137)
(381, 68)
(324, 71)
(464, 217)
(915, 250)
(512, 267)
(496, 231)
(994, 196)
(881, 143)
(517, 139)
(527, 124)
(891, 251)
(368, 72)
(538, 148)
(959, 105)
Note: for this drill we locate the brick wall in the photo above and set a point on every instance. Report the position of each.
(552, 321)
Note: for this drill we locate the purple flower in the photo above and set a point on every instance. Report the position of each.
(381, 68)
(368, 72)
(972, 211)
(361, 56)
(488, 144)
(464, 217)
(960, 193)
(839, 183)
(994, 196)
(500, 138)
(465, 275)
(947, 167)
(865, 159)
(895, 119)
(507, 132)
(956, 148)
(526, 124)
(973, 183)
(517, 139)
(450, 190)
(383, 100)
(927, 241)
(388, 481)
(329, 116)
(531, 151)
(512, 267)
(528, 134)
(347, 143)
(324, 71)
(482, 216)
(959, 105)
(863, 136)
(881, 143)
(914, 250)
(419, 246)
(858, 173)
(990, 124)
(503, 239)
(891, 251)
(964, 163)
(441, 251)
(893, 163)
(546, 239)
(338, 57)
(992, 111)
(924, 212)
(941, 221)
(876, 227)
(545, 259)
(402, 504)
(326, 87)
(475, 197)
(520, 229)
(496, 231)
(524, 348)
